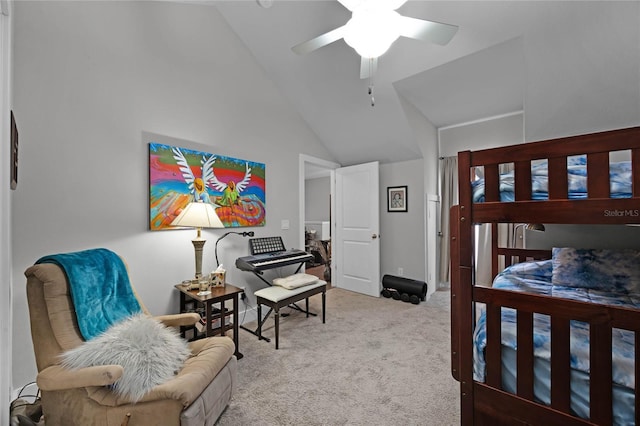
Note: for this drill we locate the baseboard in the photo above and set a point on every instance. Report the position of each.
(247, 315)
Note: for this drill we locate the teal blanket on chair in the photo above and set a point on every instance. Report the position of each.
(99, 286)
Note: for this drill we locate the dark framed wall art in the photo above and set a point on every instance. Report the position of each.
(397, 200)
(14, 153)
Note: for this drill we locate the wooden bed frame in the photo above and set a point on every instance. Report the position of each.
(487, 403)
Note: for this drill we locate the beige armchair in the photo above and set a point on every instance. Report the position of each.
(197, 395)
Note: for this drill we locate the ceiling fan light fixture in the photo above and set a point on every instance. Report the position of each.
(371, 32)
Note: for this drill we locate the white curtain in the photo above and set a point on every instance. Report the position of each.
(483, 250)
(483, 254)
(449, 197)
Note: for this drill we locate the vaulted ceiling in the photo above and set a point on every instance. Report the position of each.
(479, 74)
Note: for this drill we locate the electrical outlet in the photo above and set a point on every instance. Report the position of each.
(243, 296)
(401, 271)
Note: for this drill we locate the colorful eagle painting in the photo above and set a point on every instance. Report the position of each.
(178, 176)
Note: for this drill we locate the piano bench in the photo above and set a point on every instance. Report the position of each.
(278, 297)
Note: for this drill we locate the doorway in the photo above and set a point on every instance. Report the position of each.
(318, 224)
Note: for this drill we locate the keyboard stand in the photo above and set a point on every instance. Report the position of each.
(260, 273)
(259, 327)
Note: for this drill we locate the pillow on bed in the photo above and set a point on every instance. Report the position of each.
(613, 270)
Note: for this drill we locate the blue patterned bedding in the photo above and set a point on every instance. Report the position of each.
(550, 278)
(619, 178)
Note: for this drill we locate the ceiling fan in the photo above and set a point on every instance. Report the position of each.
(373, 27)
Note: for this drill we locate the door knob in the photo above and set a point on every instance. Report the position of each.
(374, 236)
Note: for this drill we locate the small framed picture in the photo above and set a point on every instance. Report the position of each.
(397, 199)
(14, 153)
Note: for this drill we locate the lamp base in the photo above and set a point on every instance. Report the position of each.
(198, 244)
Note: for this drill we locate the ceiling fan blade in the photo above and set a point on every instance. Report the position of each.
(358, 4)
(350, 4)
(368, 67)
(434, 32)
(320, 41)
(395, 4)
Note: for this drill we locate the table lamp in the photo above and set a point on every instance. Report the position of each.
(199, 215)
(529, 227)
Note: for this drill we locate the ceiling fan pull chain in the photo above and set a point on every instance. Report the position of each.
(373, 102)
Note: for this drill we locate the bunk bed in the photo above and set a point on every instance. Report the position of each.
(521, 339)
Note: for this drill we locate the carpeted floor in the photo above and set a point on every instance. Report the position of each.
(376, 361)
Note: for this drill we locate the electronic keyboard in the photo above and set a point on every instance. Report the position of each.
(261, 262)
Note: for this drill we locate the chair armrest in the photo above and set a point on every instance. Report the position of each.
(57, 377)
(209, 356)
(176, 320)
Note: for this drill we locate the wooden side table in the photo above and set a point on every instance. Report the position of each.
(218, 295)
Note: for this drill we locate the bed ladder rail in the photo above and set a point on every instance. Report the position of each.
(556, 151)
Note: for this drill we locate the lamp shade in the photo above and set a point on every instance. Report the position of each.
(199, 215)
(535, 227)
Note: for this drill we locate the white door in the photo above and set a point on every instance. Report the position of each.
(357, 229)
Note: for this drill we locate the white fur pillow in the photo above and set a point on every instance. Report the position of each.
(149, 352)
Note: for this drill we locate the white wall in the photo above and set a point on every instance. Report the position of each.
(90, 79)
(584, 236)
(401, 234)
(489, 133)
(317, 199)
(6, 289)
(426, 136)
(594, 82)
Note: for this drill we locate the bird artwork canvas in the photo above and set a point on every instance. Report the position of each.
(178, 176)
